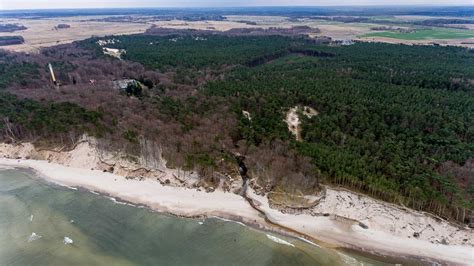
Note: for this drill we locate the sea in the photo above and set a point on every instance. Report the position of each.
(46, 224)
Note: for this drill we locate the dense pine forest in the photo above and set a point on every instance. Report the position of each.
(394, 121)
(388, 136)
(195, 51)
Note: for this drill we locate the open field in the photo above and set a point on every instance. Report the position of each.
(41, 32)
(362, 31)
(419, 18)
(202, 25)
(467, 26)
(333, 29)
(469, 43)
(425, 34)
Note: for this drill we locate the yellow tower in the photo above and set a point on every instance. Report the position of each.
(53, 78)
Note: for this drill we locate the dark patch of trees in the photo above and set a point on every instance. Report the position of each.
(159, 52)
(11, 27)
(16, 71)
(134, 89)
(24, 119)
(62, 26)
(11, 40)
(443, 21)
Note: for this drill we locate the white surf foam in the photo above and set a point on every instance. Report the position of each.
(348, 260)
(121, 202)
(227, 220)
(67, 241)
(309, 242)
(279, 240)
(33, 237)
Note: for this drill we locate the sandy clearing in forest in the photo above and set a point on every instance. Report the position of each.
(293, 121)
(117, 53)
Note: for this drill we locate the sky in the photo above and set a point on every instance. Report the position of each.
(47, 4)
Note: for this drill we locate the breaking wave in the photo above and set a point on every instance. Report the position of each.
(348, 260)
(121, 202)
(309, 242)
(227, 220)
(67, 241)
(33, 237)
(279, 240)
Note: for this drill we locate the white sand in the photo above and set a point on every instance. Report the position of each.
(176, 200)
(188, 202)
(342, 232)
(294, 122)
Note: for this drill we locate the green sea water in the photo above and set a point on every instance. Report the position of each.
(37, 220)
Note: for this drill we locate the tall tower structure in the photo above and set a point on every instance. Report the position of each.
(53, 77)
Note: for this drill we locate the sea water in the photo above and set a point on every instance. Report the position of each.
(45, 224)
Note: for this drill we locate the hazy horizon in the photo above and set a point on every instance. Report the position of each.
(76, 4)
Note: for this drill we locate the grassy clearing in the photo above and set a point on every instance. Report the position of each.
(425, 34)
(292, 200)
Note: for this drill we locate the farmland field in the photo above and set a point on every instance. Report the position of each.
(425, 34)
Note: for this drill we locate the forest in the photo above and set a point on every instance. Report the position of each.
(12, 71)
(394, 121)
(385, 136)
(28, 119)
(159, 52)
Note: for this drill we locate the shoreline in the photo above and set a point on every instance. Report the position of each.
(328, 232)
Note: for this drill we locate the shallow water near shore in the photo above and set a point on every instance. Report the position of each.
(44, 224)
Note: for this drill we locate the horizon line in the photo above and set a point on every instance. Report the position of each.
(236, 7)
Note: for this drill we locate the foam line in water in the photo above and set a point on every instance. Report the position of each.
(309, 242)
(348, 260)
(121, 202)
(67, 241)
(227, 220)
(33, 237)
(279, 240)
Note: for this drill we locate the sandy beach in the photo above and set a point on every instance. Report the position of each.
(334, 222)
(191, 203)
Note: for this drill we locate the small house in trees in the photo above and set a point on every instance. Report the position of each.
(122, 84)
(131, 87)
